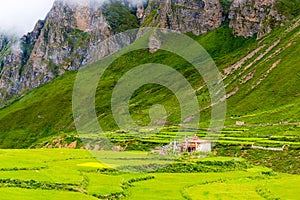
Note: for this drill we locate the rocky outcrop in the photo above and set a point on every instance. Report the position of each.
(250, 17)
(140, 10)
(62, 143)
(69, 30)
(196, 16)
(10, 62)
(245, 17)
(59, 43)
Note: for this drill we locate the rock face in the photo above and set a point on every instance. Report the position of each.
(61, 42)
(196, 16)
(249, 17)
(10, 63)
(70, 35)
(140, 10)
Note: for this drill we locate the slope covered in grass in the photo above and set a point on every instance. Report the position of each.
(47, 110)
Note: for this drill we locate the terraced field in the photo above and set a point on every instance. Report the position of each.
(74, 174)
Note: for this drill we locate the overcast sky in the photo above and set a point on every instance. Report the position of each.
(20, 16)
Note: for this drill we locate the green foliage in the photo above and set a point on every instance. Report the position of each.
(223, 46)
(265, 193)
(79, 38)
(6, 46)
(53, 68)
(285, 161)
(288, 8)
(32, 184)
(38, 194)
(189, 167)
(119, 17)
(226, 5)
(148, 21)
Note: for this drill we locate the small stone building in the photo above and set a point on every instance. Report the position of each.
(195, 145)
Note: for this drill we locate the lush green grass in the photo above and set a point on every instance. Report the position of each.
(227, 190)
(248, 188)
(237, 185)
(286, 161)
(223, 46)
(288, 8)
(106, 184)
(73, 174)
(285, 188)
(38, 114)
(47, 110)
(27, 194)
(276, 98)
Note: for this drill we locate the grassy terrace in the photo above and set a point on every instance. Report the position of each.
(69, 174)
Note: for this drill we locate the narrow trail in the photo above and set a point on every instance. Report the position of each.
(264, 125)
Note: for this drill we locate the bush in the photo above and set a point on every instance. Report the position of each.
(119, 17)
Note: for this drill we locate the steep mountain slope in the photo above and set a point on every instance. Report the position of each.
(197, 17)
(69, 35)
(260, 77)
(246, 18)
(64, 41)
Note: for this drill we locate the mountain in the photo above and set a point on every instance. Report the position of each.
(62, 42)
(69, 35)
(254, 44)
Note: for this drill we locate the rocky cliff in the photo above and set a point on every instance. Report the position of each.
(69, 36)
(194, 16)
(61, 42)
(249, 17)
(246, 17)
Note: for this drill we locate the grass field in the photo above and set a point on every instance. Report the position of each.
(265, 97)
(75, 174)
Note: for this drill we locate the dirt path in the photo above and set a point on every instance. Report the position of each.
(264, 125)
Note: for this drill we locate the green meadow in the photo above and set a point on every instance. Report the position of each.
(69, 174)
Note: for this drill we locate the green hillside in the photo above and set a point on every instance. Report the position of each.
(264, 89)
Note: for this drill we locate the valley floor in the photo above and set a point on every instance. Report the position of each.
(76, 174)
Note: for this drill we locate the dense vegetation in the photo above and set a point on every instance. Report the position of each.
(119, 17)
(288, 8)
(226, 5)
